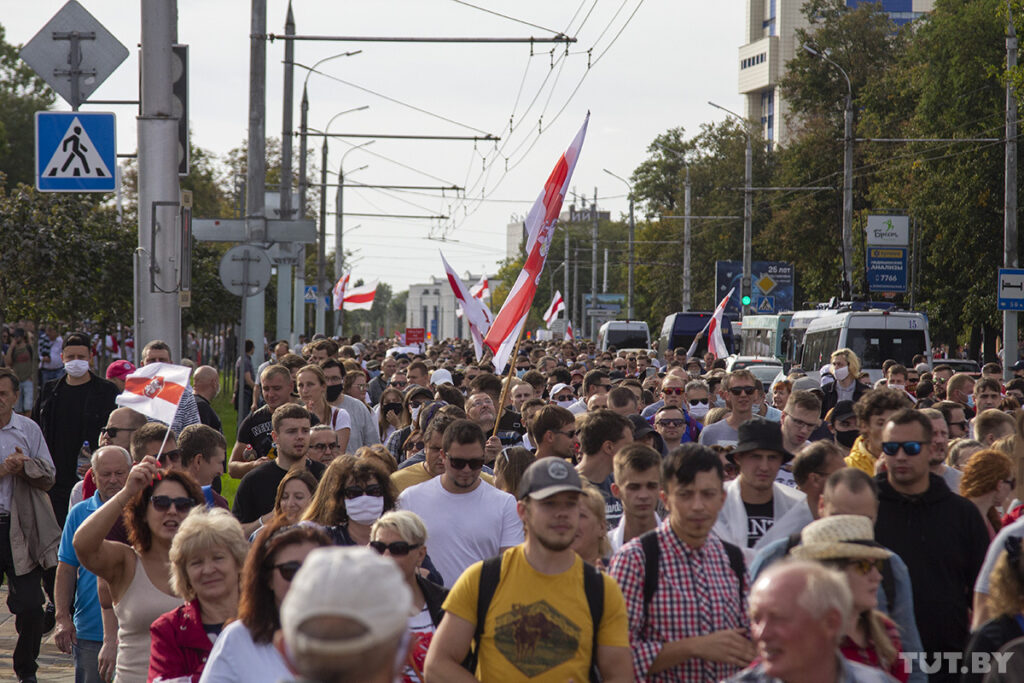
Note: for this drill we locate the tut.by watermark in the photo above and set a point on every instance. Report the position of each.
(956, 662)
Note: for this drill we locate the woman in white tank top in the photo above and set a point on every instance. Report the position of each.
(312, 386)
(154, 502)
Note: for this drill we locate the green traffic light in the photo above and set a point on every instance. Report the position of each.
(745, 300)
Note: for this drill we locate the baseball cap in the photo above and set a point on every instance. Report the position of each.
(441, 376)
(560, 387)
(349, 582)
(806, 384)
(548, 476)
(641, 427)
(842, 411)
(119, 369)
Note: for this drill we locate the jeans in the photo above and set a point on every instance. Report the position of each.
(26, 396)
(86, 654)
(47, 375)
(25, 601)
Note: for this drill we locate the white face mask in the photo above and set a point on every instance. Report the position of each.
(699, 410)
(364, 509)
(841, 373)
(565, 404)
(76, 368)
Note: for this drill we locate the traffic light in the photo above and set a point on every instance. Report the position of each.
(745, 300)
(179, 100)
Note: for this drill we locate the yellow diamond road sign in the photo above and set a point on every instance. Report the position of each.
(766, 284)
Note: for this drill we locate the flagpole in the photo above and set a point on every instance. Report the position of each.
(508, 379)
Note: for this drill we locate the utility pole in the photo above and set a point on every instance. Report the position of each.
(748, 210)
(1010, 194)
(604, 280)
(157, 312)
(687, 286)
(321, 253)
(256, 171)
(593, 269)
(632, 236)
(284, 270)
(299, 306)
(565, 275)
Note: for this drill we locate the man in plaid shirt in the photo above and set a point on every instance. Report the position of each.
(695, 627)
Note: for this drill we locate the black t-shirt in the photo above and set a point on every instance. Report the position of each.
(207, 415)
(70, 405)
(256, 429)
(760, 518)
(258, 488)
(612, 505)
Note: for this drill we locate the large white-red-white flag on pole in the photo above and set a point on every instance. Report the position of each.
(360, 298)
(540, 226)
(477, 314)
(716, 343)
(339, 289)
(155, 390)
(556, 307)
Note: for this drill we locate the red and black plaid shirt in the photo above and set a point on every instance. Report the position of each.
(698, 593)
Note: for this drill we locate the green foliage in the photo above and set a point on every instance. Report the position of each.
(22, 94)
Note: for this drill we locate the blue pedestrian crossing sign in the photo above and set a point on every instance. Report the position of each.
(309, 294)
(75, 151)
(765, 304)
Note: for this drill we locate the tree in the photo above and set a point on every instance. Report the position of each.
(22, 94)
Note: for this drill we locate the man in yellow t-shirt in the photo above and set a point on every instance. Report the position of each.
(538, 626)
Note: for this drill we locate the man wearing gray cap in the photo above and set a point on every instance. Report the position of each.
(537, 611)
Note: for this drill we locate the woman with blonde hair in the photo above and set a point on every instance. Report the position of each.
(988, 481)
(206, 559)
(591, 542)
(845, 369)
(311, 383)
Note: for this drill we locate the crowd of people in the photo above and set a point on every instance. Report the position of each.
(417, 515)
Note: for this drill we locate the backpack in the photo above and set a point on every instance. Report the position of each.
(490, 576)
(652, 552)
(888, 578)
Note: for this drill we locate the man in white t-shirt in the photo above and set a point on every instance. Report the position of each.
(467, 519)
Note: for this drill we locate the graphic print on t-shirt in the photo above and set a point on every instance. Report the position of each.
(536, 638)
(760, 518)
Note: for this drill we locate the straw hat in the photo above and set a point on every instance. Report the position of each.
(840, 537)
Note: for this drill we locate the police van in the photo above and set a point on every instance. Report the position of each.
(874, 335)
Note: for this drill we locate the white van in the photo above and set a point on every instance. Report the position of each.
(624, 334)
(874, 335)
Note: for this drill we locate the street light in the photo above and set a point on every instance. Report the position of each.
(686, 226)
(745, 288)
(632, 230)
(847, 177)
(339, 217)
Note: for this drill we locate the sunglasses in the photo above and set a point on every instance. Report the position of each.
(571, 433)
(288, 569)
(462, 463)
(324, 446)
(374, 490)
(672, 422)
(164, 503)
(865, 566)
(698, 401)
(112, 432)
(397, 549)
(673, 391)
(736, 391)
(400, 385)
(414, 446)
(169, 456)
(909, 447)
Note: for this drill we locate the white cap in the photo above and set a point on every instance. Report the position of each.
(352, 582)
(559, 387)
(441, 376)
(922, 368)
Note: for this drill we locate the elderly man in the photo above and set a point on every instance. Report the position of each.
(205, 386)
(798, 614)
(81, 632)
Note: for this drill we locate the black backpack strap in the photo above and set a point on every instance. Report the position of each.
(490, 575)
(652, 551)
(593, 586)
(739, 566)
(889, 585)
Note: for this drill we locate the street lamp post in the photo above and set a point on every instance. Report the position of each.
(847, 177)
(632, 231)
(339, 220)
(748, 201)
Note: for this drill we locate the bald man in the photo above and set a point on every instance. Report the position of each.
(206, 385)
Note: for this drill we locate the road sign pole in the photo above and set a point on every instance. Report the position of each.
(1010, 196)
(284, 271)
(157, 313)
(256, 162)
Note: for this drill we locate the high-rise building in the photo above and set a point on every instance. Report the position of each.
(770, 34)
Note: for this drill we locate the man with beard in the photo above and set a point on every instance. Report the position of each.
(540, 614)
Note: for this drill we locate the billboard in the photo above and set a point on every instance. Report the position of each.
(771, 286)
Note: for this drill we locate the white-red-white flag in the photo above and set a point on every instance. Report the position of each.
(716, 343)
(568, 330)
(155, 390)
(477, 314)
(360, 298)
(339, 289)
(481, 289)
(540, 226)
(556, 307)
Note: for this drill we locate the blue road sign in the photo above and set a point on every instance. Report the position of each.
(76, 151)
(765, 304)
(887, 269)
(309, 295)
(1010, 289)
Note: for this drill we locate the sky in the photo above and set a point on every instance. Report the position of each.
(653, 65)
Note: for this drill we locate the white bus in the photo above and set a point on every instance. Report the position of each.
(873, 335)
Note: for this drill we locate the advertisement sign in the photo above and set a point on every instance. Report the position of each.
(772, 285)
(887, 269)
(888, 231)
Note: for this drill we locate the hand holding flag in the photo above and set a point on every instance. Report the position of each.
(155, 390)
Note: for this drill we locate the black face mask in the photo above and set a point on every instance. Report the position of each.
(847, 438)
(333, 392)
(391, 408)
